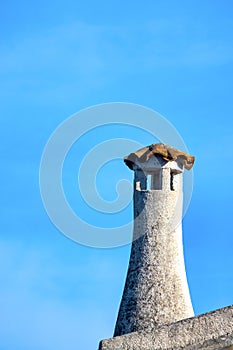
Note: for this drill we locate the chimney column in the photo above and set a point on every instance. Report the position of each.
(156, 289)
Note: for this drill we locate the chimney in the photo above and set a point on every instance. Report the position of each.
(156, 289)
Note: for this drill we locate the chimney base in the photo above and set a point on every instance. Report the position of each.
(210, 331)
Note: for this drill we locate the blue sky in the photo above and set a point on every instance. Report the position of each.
(57, 58)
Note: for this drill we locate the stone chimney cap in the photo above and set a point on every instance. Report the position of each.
(167, 152)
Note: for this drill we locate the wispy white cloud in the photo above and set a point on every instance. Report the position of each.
(88, 51)
(73, 59)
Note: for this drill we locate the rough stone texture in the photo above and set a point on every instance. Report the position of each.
(210, 331)
(156, 290)
(155, 309)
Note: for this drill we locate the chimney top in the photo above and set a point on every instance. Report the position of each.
(167, 152)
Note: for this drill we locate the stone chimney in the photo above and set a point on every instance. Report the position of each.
(156, 289)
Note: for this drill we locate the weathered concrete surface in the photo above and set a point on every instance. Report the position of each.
(156, 290)
(210, 331)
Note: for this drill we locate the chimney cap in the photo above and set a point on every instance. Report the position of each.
(167, 152)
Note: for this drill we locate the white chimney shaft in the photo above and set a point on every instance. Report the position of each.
(156, 289)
